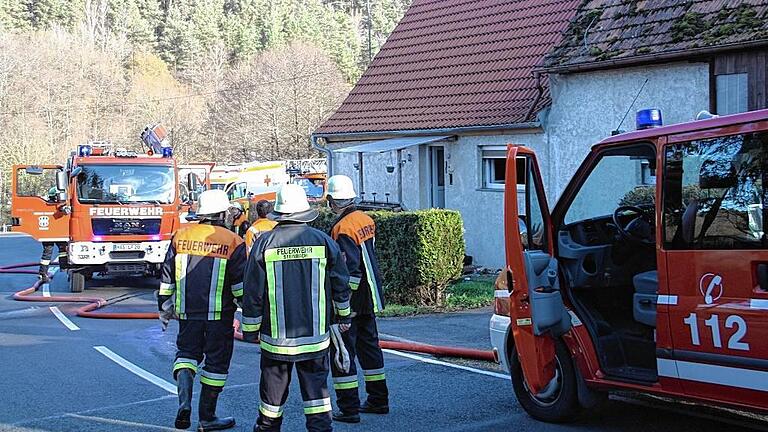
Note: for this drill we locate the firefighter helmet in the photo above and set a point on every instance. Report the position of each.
(291, 198)
(340, 188)
(212, 202)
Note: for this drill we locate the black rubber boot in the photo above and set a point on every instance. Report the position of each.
(185, 378)
(369, 408)
(208, 420)
(341, 416)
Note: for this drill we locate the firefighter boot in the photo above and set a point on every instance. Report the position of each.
(208, 420)
(341, 416)
(370, 408)
(184, 380)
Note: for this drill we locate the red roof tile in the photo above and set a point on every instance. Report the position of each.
(454, 63)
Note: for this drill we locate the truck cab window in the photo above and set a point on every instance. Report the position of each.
(714, 193)
(531, 219)
(36, 184)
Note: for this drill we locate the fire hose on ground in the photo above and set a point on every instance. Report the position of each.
(96, 303)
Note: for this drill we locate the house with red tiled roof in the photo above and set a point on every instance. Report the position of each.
(457, 80)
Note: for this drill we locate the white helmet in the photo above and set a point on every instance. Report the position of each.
(291, 198)
(212, 202)
(340, 188)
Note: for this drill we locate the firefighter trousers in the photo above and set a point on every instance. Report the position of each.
(313, 381)
(45, 259)
(361, 341)
(208, 341)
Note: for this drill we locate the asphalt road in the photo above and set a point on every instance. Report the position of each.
(54, 378)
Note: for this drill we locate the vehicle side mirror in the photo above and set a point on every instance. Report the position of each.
(717, 175)
(61, 184)
(192, 182)
(34, 170)
(76, 172)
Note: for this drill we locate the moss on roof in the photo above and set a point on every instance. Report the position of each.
(609, 29)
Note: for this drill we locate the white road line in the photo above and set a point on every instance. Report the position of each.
(163, 384)
(442, 363)
(63, 318)
(122, 422)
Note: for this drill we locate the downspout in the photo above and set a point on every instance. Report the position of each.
(328, 154)
(539, 94)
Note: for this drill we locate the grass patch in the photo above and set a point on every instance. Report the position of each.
(476, 292)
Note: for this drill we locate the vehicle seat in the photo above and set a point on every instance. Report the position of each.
(645, 297)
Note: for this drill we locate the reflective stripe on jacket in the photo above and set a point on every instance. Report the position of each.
(259, 227)
(294, 281)
(355, 232)
(204, 270)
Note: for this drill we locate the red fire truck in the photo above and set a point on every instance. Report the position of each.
(650, 275)
(116, 209)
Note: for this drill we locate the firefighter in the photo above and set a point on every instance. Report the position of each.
(45, 258)
(294, 281)
(204, 270)
(261, 225)
(355, 231)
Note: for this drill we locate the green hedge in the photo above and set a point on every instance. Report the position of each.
(419, 253)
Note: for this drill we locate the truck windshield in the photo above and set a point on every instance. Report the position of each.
(120, 184)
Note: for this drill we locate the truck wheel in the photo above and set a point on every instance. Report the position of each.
(560, 406)
(76, 281)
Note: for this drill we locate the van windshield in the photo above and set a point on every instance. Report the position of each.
(120, 184)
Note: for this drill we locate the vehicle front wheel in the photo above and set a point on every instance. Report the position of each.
(561, 403)
(76, 281)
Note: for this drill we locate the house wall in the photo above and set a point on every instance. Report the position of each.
(586, 108)
(481, 209)
(377, 179)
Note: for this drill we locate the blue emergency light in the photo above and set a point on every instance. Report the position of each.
(167, 152)
(648, 118)
(84, 150)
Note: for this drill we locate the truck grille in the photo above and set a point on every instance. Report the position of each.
(132, 255)
(125, 226)
(126, 268)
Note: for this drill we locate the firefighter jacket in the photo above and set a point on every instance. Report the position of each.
(259, 227)
(294, 281)
(355, 233)
(204, 269)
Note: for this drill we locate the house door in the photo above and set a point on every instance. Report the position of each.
(437, 170)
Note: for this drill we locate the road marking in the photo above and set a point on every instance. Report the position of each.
(446, 364)
(163, 384)
(63, 318)
(122, 422)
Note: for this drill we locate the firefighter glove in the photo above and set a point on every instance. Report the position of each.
(341, 356)
(167, 313)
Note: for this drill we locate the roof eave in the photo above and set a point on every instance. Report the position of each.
(650, 58)
(354, 136)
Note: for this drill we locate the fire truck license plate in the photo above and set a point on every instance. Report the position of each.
(126, 247)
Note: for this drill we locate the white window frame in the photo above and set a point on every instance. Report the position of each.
(487, 168)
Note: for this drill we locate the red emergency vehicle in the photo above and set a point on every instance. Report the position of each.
(650, 275)
(116, 209)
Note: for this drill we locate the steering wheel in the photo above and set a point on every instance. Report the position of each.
(639, 230)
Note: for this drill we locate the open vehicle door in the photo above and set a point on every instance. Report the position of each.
(38, 202)
(536, 305)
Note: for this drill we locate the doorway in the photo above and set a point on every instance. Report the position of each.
(437, 176)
